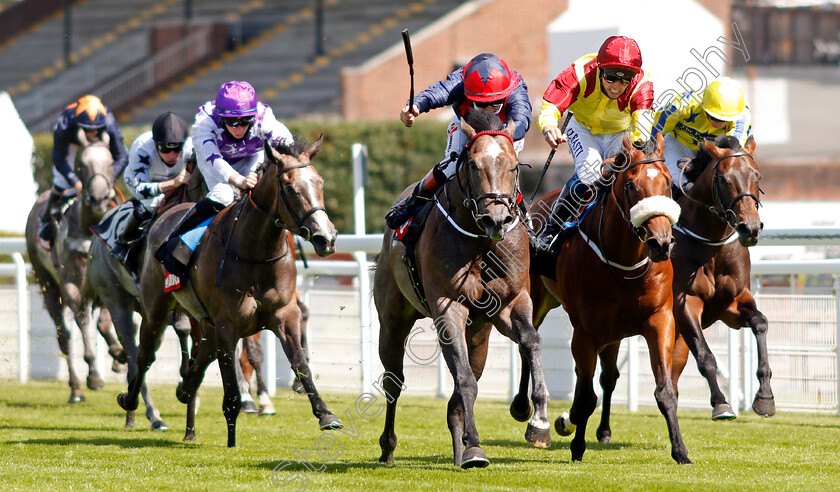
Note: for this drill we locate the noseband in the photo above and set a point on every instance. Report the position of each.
(471, 201)
(302, 230)
(639, 231)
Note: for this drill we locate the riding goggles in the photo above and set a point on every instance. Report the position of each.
(165, 148)
(715, 120)
(235, 122)
(615, 76)
(495, 105)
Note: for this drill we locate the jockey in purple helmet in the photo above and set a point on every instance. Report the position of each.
(228, 135)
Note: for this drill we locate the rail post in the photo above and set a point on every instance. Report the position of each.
(23, 318)
(359, 152)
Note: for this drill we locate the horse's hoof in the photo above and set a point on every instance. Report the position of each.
(122, 400)
(604, 437)
(563, 425)
(95, 382)
(129, 420)
(329, 421)
(266, 410)
(249, 407)
(766, 407)
(118, 367)
(540, 438)
(189, 436)
(160, 425)
(387, 458)
(519, 412)
(722, 411)
(76, 398)
(474, 457)
(118, 354)
(182, 396)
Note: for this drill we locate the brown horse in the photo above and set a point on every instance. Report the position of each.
(241, 279)
(62, 272)
(614, 280)
(712, 270)
(472, 261)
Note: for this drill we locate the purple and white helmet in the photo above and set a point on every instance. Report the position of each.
(235, 99)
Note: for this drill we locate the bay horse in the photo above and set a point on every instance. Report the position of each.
(712, 269)
(241, 279)
(614, 279)
(472, 260)
(62, 272)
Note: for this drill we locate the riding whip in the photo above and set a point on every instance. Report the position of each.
(410, 58)
(550, 156)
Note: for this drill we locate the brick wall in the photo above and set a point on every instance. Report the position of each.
(378, 89)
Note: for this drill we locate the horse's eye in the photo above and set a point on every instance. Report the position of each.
(290, 189)
(630, 186)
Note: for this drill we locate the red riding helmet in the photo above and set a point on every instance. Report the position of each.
(488, 78)
(620, 52)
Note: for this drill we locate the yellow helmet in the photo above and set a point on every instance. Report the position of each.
(723, 99)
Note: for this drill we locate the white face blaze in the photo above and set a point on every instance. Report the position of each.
(493, 149)
(652, 173)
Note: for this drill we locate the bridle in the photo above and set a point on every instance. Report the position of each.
(88, 180)
(301, 230)
(509, 200)
(639, 231)
(726, 214)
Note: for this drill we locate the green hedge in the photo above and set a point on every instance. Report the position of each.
(397, 157)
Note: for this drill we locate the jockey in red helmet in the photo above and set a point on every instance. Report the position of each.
(85, 119)
(609, 94)
(485, 83)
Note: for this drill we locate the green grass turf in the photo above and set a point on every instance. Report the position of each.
(47, 444)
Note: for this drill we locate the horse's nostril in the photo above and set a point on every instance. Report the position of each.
(487, 222)
(508, 219)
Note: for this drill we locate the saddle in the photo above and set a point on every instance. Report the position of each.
(408, 234)
(114, 223)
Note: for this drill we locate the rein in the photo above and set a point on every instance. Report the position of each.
(639, 231)
(724, 213)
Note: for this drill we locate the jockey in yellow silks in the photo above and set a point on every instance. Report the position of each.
(691, 117)
(609, 94)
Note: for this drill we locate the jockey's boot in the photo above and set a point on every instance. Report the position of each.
(424, 190)
(50, 216)
(121, 249)
(567, 207)
(172, 252)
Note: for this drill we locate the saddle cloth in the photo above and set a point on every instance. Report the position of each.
(113, 224)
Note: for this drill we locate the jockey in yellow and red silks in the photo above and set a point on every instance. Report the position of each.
(609, 94)
(691, 117)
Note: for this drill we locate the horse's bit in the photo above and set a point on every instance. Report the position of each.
(471, 202)
(302, 230)
(726, 214)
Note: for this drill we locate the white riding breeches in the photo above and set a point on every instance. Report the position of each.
(674, 151)
(589, 151)
(222, 192)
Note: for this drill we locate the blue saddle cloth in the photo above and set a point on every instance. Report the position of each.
(193, 237)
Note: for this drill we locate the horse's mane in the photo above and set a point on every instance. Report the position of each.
(296, 148)
(704, 158)
(482, 121)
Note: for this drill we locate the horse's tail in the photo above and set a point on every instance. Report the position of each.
(373, 262)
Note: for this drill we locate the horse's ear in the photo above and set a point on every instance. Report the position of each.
(270, 153)
(510, 128)
(315, 147)
(468, 130)
(749, 146)
(660, 142)
(82, 138)
(711, 148)
(105, 138)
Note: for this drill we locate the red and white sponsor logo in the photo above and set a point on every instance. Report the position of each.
(401, 230)
(452, 128)
(171, 282)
